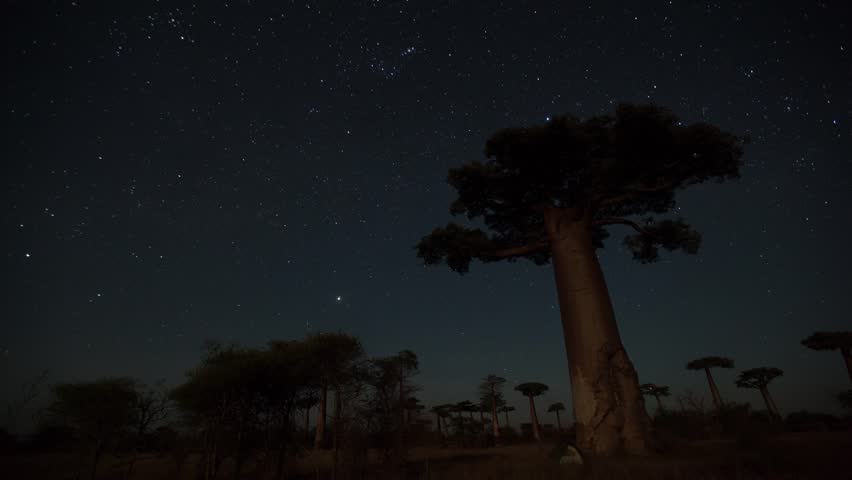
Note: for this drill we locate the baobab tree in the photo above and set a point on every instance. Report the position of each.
(706, 363)
(655, 391)
(490, 391)
(441, 412)
(306, 403)
(833, 341)
(556, 408)
(548, 193)
(506, 409)
(332, 356)
(759, 378)
(532, 390)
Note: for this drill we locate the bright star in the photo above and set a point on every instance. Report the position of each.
(339, 298)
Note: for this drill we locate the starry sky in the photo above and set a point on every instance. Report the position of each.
(247, 170)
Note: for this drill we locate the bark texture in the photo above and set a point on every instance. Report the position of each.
(608, 405)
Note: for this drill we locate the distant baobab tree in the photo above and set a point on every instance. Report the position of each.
(490, 390)
(705, 364)
(532, 390)
(506, 409)
(306, 403)
(833, 341)
(759, 378)
(655, 391)
(557, 407)
(548, 194)
(441, 412)
(332, 356)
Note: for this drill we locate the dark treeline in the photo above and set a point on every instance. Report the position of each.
(257, 412)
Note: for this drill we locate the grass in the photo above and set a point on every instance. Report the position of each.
(813, 455)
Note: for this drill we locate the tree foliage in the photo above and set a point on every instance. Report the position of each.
(758, 377)
(608, 168)
(654, 390)
(710, 362)
(829, 341)
(532, 389)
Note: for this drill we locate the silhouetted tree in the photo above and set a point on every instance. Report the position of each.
(655, 391)
(833, 341)
(532, 390)
(490, 391)
(306, 403)
(506, 409)
(151, 406)
(441, 412)
(759, 379)
(332, 354)
(556, 408)
(705, 364)
(548, 193)
(101, 411)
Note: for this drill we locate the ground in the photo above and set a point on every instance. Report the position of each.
(812, 455)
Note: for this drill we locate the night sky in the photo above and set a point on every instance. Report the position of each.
(247, 171)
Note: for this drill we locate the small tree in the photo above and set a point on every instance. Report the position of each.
(833, 341)
(506, 409)
(759, 379)
(490, 391)
(101, 411)
(655, 391)
(532, 390)
(556, 408)
(705, 364)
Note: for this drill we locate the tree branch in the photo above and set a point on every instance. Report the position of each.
(522, 250)
(622, 221)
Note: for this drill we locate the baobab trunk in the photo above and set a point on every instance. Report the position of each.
(770, 405)
(438, 418)
(717, 399)
(507, 418)
(659, 403)
(847, 357)
(321, 413)
(608, 404)
(338, 406)
(534, 420)
(558, 422)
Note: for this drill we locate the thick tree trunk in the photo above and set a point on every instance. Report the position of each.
(558, 422)
(717, 399)
(608, 404)
(438, 423)
(847, 357)
(321, 414)
(507, 418)
(534, 420)
(659, 403)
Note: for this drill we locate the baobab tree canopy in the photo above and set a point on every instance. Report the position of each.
(710, 362)
(532, 389)
(654, 390)
(829, 341)
(758, 377)
(606, 168)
